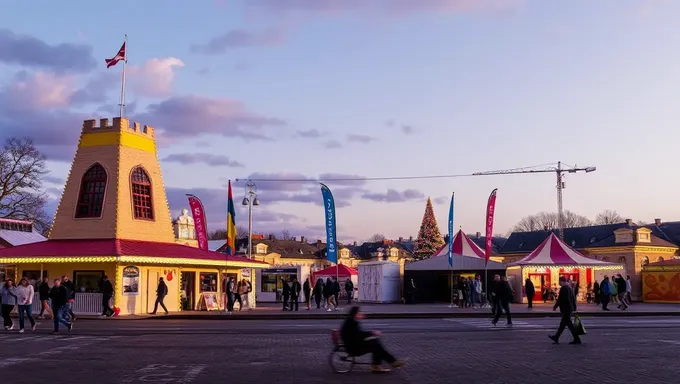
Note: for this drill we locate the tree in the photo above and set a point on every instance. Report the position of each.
(608, 216)
(376, 238)
(285, 235)
(429, 238)
(548, 221)
(241, 233)
(22, 167)
(218, 234)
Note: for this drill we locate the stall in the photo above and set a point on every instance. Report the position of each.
(271, 280)
(554, 259)
(661, 282)
(379, 282)
(342, 272)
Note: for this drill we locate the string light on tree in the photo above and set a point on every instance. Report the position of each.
(429, 238)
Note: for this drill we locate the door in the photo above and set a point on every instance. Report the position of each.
(539, 284)
(188, 292)
(151, 286)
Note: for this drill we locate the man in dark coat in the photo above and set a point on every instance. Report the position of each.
(161, 292)
(566, 302)
(71, 288)
(285, 292)
(106, 289)
(307, 291)
(502, 294)
(295, 289)
(530, 291)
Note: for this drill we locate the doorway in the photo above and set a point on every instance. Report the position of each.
(188, 293)
(540, 281)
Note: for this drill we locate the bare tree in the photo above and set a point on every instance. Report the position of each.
(285, 235)
(608, 216)
(218, 234)
(22, 167)
(376, 238)
(241, 232)
(547, 221)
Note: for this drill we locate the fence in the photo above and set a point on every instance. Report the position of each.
(84, 304)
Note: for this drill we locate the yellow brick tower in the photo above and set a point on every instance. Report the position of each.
(115, 187)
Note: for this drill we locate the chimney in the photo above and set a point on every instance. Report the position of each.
(271, 237)
(355, 243)
(294, 238)
(318, 244)
(629, 221)
(302, 239)
(657, 222)
(401, 239)
(410, 238)
(478, 235)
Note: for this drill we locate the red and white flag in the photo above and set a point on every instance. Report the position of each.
(119, 56)
(490, 213)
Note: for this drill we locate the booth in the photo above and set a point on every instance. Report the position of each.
(271, 280)
(661, 282)
(379, 282)
(554, 259)
(342, 272)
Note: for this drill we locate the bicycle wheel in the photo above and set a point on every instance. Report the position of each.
(341, 361)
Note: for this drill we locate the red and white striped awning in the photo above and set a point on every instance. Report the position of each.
(554, 251)
(462, 245)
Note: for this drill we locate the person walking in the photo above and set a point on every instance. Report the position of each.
(59, 295)
(329, 293)
(237, 294)
(621, 288)
(596, 293)
(605, 289)
(477, 291)
(25, 293)
(285, 293)
(106, 288)
(229, 288)
(242, 289)
(349, 290)
(502, 295)
(336, 291)
(9, 301)
(318, 292)
(68, 284)
(307, 291)
(629, 289)
(161, 292)
(295, 289)
(530, 291)
(566, 302)
(44, 294)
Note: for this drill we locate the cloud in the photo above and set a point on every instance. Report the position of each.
(310, 134)
(53, 180)
(182, 116)
(441, 200)
(205, 158)
(332, 144)
(28, 51)
(154, 78)
(394, 196)
(356, 138)
(407, 129)
(239, 38)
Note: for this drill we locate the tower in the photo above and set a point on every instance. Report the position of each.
(115, 186)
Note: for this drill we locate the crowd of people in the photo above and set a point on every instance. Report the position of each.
(323, 293)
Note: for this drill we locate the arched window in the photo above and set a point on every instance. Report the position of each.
(142, 205)
(660, 258)
(645, 260)
(92, 189)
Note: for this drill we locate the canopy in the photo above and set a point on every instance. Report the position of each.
(340, 270)
(462, 245)
(554, 251)
(460, 263)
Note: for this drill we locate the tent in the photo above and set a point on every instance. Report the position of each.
(343, 273)
(554, 259)
(462, 245)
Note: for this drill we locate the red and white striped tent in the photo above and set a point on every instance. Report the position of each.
(554, 259)
(462, 245)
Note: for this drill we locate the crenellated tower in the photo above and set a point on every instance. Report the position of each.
(115, 186)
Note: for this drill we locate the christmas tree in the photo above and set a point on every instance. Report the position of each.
(429, 238)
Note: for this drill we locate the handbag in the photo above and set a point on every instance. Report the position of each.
(579, 328)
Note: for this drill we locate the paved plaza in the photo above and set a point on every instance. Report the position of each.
(641, 349)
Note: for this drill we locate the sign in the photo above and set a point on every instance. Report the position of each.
(130, 280)
(209, 302)
(282, 271)
(245, 273)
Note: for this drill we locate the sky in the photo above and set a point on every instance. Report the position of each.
(327, 89)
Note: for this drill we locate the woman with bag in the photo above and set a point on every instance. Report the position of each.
(9, 301)
(25, 294)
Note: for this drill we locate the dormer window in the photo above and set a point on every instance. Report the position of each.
(261, 249)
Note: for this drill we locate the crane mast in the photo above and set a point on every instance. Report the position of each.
(559, 171)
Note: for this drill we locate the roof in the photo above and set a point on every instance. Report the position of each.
(590, 236)
(460, 263)
(115, 248)
(15, 238)
(339, 269)
(288, 249)
(665, 263)
(367, 250)
(462, 245)
(554, 251)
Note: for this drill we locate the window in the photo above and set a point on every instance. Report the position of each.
(660, 258)
(208, 282)
(87, 281)
(92, 189)
(141, 194)
(273, 282)
(33, 277)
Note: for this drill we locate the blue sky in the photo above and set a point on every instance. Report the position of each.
(391, 88)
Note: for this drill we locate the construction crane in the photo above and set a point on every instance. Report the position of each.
(559, 170)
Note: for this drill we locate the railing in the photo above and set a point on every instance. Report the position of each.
(84, 304)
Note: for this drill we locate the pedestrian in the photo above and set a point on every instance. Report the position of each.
(285, 292)
(295, 289)
(68, 284)
(597, 296)
(605, 288)
(502, 295)
(467, 292)
(621, 288)
(9, 301)
(307, 291)
(614, 290)
(529, 291)
(336, 291)
(229, 289)
(566, 301)
(25, 293)
(349, 290)
(318, 293)
(629, 289)
(237, 295)
(59, 295)
(106, 288)
(242, 289)
(161, 292)
(328, 292)
(477, 291)
(246, 297)
(44, 293)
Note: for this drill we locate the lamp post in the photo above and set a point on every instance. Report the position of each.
(250, 199)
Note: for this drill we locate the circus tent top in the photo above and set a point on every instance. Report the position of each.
(462, 245)
(554, 252)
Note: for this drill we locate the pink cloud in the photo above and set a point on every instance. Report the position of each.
(154, 78)
(390, 6)
(40, 90)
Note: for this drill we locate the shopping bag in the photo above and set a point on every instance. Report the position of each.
(578, 326)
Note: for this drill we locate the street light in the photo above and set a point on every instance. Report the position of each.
(250, 199)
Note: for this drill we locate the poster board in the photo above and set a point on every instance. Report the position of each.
(209, 302)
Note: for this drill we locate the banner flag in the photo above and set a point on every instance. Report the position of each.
(198, 214)
(490, 211)
(331, 234)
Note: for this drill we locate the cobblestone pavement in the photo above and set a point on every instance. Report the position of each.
(438, 351)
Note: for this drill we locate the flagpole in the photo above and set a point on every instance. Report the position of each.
(122, 86)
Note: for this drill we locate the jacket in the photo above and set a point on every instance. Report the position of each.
(70, 288)
(353, 336)
(162, 289)
(44, 291)
(9, 296)
(307, 288)
(285, 289)
(502, 291)
(295, 289)
(604, 287)
(566, 300)
(621, 285)
(107, 288)
(24, 294)
(59, 296)
(349, 286)
(529, 288)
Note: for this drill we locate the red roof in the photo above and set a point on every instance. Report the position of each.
(340, 270)
(116, 247)
(665, 263)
